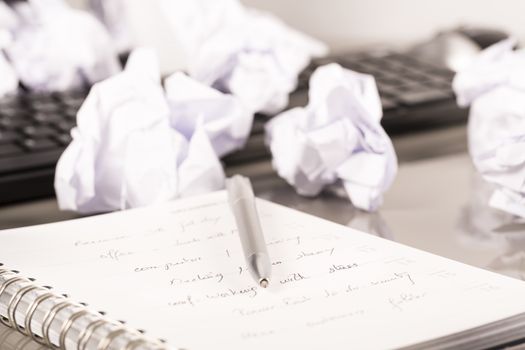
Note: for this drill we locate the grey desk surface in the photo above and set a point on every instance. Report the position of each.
(438, 203)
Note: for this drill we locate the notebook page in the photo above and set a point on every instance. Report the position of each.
(177, 271)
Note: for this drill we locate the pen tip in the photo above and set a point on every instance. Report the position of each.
(264, 283)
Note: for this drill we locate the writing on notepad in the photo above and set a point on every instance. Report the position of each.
(181, 267)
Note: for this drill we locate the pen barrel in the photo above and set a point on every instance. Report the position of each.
(242, 203)
(249, 226)
(260, 266)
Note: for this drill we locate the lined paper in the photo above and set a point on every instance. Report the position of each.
(177, 271)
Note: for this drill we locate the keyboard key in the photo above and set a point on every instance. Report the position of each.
(439, 73)
(418, 97)
(38, 131)
(387, 90)
(72, 100)
(41, 117)
(36, 97)
(65, 125)
(70, 112)
(13, 102)
(388, 103)
(440, 84)
(64, 139)
(411, 87)
(8, 136)
(47, 118)
(390, 81)
(29, 130)
(39, 144)
(9, 112)
(46, 107)
(72, 94)
(14, 122)
(73, 103)
(9, 149)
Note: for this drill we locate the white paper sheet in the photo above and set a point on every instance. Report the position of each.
(55, 47)
(248, 53)
(124, 151)
(494, 87)
(178, 272)
(336, 137)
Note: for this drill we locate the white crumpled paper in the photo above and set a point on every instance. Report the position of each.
(248, 53)
(55, 47)
(133, 146)
(336, 137)
(9, 79)
(226, 121)
(114, 15)
(8, 18)
(494, 87)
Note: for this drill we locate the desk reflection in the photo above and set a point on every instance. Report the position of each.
(438, 205)
(13, 340)
(372, 223)
(483, 226)
(332, 204)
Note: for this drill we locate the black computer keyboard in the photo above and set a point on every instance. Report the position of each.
(35, 128)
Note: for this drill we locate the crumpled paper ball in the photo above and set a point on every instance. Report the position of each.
(8, 18)
(250, 54)
(337, 137)
(56, 48)
(9, 80)
(226, 121)
(130, 149)
(494, 87)
(115, 16)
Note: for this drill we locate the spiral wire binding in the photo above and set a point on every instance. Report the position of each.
(31, 312)
(78, 311)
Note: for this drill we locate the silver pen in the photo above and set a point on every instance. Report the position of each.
(242, 203)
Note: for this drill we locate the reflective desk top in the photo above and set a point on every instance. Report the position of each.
(437, 203)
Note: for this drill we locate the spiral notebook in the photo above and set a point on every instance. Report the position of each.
(173, 276)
